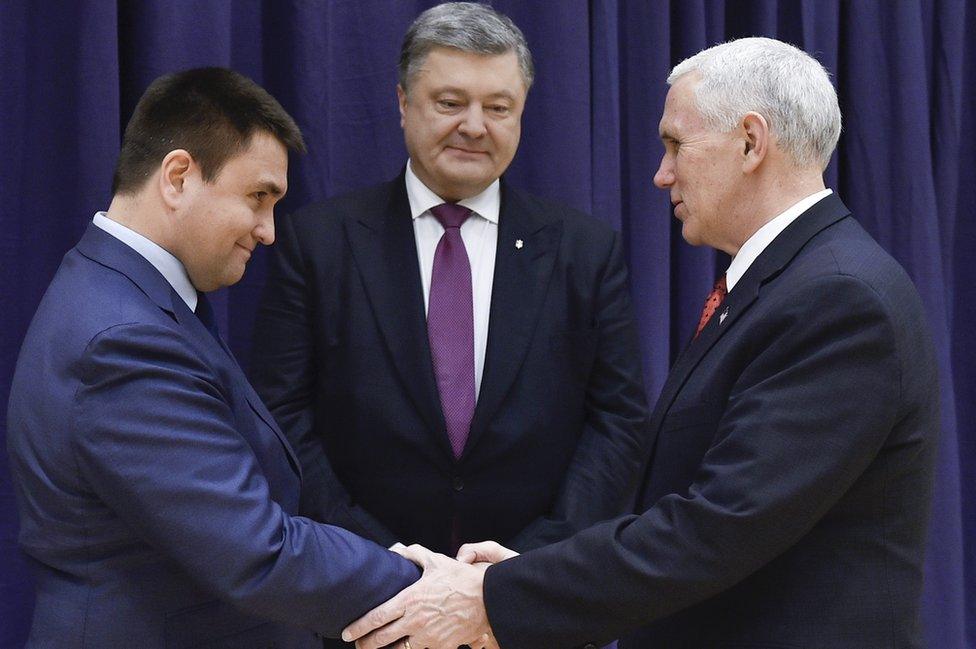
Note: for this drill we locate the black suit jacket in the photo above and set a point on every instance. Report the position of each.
(786, 499)
(342, 359)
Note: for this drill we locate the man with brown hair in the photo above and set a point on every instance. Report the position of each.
(158, 498)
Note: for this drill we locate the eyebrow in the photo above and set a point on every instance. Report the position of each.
(503, 94)
(272, 188)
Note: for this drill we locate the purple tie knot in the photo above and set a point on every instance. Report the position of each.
(450, 215)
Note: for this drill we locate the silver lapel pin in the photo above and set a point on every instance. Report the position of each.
(723, 316)
(519, 244)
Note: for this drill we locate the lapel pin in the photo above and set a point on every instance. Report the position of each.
(724, 315)
(519, 244)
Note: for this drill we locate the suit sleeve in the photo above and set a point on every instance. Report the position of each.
(602, 477)
(805, 418)
(157, 443)
(283, 370)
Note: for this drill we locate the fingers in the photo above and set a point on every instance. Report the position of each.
(485, 551)
(491, 643)
(382, 615)
(416, 553)
(442, 610)
(397, 632)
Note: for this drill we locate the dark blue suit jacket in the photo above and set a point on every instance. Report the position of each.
(786, 498)
(157, 494)
(342, 360)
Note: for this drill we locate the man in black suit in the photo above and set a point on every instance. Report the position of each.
(453, 359)
(787, 493)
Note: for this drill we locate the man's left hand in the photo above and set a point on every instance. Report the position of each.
(443, 610)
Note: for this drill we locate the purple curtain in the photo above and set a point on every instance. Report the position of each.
(72, 71)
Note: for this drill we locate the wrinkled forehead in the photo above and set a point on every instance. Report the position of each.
(680, 107)
(471, 71)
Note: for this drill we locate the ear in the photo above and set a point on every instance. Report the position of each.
(756, 140)
(173, 173)
(402, 101)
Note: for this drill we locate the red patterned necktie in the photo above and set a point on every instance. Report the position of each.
(450, 325)
(712, 302)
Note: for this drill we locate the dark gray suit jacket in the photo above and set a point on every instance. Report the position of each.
(786, 499)
(342, 359)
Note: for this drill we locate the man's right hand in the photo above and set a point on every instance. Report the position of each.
(484, 552)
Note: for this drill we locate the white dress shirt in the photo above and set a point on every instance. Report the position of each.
(169, 267)
(764, 236)
(480, 235)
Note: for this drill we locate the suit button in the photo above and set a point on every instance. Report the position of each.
(589, 645)
(457, 483)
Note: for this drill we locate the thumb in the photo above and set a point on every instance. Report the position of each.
(416, 553)
(485, 551)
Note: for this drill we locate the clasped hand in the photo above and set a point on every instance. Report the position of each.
(443, 610)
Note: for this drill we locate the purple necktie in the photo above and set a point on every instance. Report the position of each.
(450, 325)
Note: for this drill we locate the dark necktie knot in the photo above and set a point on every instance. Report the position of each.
(205, 313)
(450, 215)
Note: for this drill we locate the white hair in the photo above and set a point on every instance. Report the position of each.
(784, 84)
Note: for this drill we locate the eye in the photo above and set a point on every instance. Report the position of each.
(500, 109)
(448, 104)
(259, 196)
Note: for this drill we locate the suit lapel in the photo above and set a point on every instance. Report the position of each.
(257, 405)
(385, 250)
(770, 263)
(221, 355)
(103, 248)
(518, 293)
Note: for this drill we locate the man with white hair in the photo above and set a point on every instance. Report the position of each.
(786, 497)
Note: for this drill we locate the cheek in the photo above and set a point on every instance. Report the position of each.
(507, 136)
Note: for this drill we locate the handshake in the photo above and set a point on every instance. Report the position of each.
(443, 610)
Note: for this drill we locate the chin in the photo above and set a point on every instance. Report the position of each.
(459, 189)
(690, 236)
(231, 280)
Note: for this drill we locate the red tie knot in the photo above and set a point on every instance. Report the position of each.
(450, 215)
(721, 288)
(712, 302)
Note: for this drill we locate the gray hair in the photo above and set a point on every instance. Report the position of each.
(466, 26)
(785, 85)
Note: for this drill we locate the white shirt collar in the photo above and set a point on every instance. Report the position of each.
(764, 236)
(169, 267)
(487, 204)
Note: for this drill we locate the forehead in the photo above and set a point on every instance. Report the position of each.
(680, 111)
(265, 160)
(470, 72)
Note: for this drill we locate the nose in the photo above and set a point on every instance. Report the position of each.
(473, 124)
(265, 230)
(664, 177)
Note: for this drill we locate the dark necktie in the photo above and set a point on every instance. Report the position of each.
(206, 315)
(712, 302)
(450, 325)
